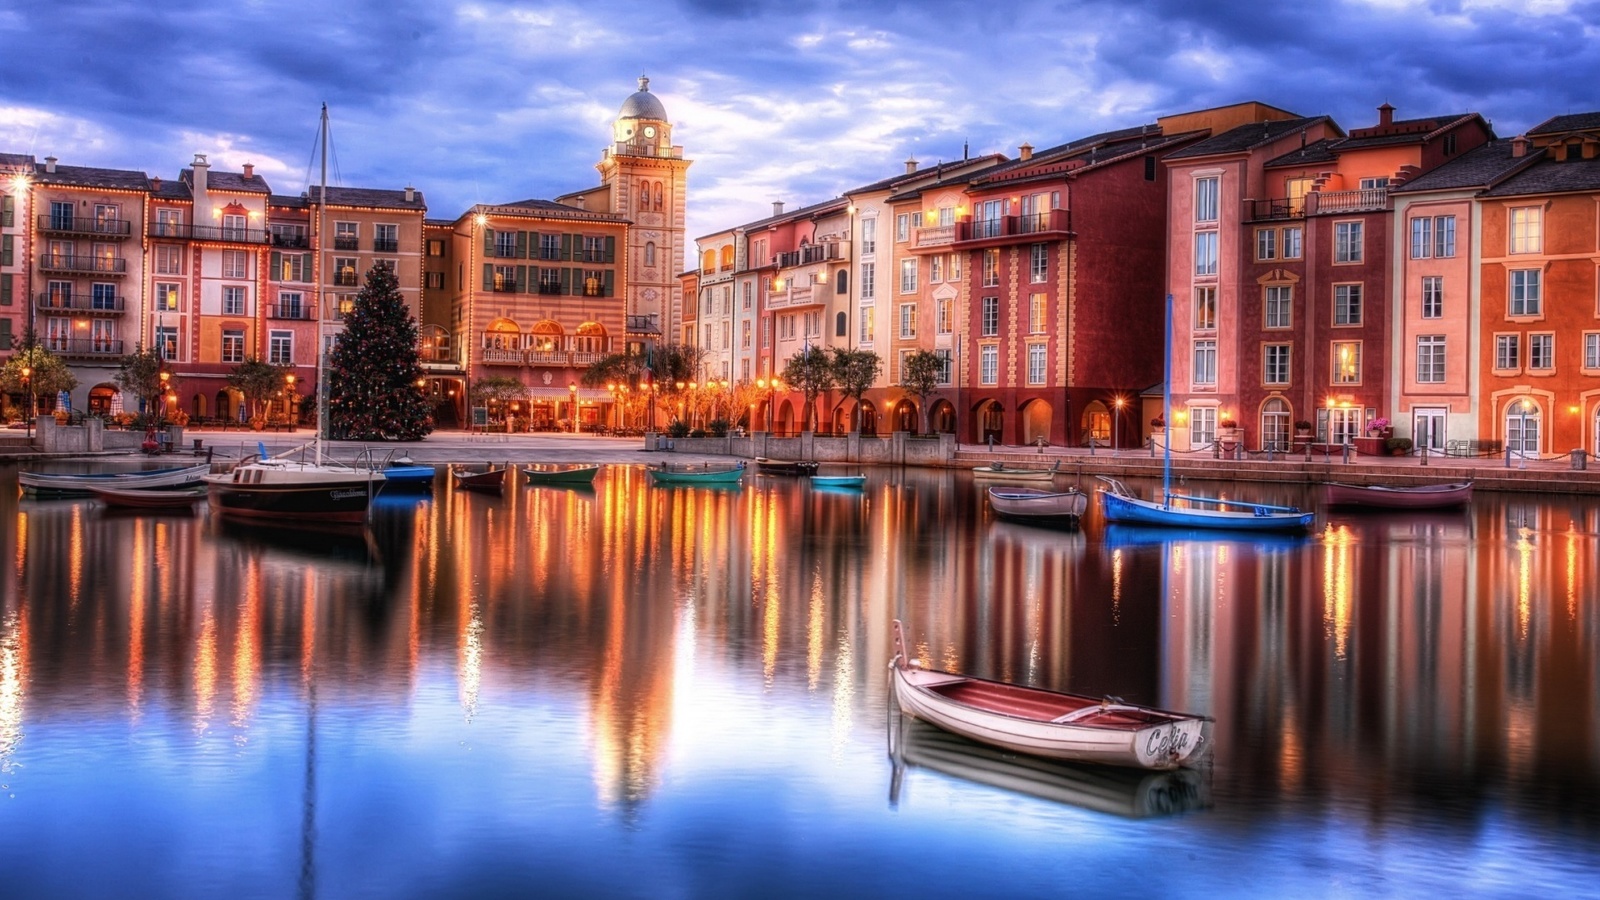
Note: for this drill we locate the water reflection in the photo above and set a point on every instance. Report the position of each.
(628, 646)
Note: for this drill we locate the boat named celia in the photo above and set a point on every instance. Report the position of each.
(1048, 723)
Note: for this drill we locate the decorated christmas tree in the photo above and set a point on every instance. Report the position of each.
(374, 390)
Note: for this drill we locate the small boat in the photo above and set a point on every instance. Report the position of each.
(800, 467)
(1120, 505)
(283, 490)
(52, 484)
(1056, 509)
(560, 475)
(998, 471)
(489, 481)
(149, 498)
(839, 481)
(405, 474)
(666, 473)
(1383, 496)
(1047, 723)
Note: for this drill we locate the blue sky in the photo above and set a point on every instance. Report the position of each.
(792, 100)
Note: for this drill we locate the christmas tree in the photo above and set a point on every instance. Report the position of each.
(374, 381)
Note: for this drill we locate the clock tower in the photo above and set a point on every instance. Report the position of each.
(646, 176)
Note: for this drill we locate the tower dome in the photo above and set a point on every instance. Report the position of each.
(642, 104)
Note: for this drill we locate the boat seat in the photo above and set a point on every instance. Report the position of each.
(1097, 709)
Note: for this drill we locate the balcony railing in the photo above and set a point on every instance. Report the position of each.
(385, 245)
(107, 228)
(492, 252)
(97, 265)
(221, 233)
(586, 358)
(1325, 202)
(1055, 222)
(547, 357)
(549, 288)
(294, 311)
(346, 279)
(935, 236)
(507, 286)
(643, 325)
(1267, 210)
(89, 347)
(291, 241)
(589, 255)
(433, 354)
(346, 242)
(90, 304)
(502, 357)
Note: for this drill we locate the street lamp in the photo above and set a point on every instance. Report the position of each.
(1522, 434)
(572, 391)
(27, 388)
(165, 378)
(1116, 425)
(293, 412)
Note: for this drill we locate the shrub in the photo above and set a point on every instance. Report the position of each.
(1399, 444)
(718, 427)
(698, 432)
(678, 429)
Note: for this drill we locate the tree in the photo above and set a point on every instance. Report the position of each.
(810, 372)
(47, 377)
(140, 375)
(854, 371)
(257, 381)
(920, 373)
(374, 381)
(499, 388)
(664, 366)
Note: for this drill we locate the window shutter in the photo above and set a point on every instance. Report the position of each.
(522, 279)
(566, 281)
(5, 332)
(5, 249)
(533, 245)
(488, 241)
(611, 248)
(305, 267)
(566, 248)
(277, 267)
(488, 276)
(8, 211)
(5, 296)
(522, 245)
(608, 281)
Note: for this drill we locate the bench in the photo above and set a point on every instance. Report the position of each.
(1471, 448)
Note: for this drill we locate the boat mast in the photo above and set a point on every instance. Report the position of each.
(1166, 413)
(322, 305)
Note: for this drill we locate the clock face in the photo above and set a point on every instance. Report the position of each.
(649, 131)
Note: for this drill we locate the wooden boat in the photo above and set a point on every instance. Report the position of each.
(1057, 509)
(839, 481)
(1129, 793)
(799, 467)
(1047, 723)
(666, 474)
(150, 498)
(298, 491)
(405, 475)
(489, 481)
(1383, 496)
(560, 475)
(52, 484)
(1120, 505)
(998, 471)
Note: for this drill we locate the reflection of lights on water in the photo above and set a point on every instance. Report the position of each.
(1572, 573)
(1337, 586)
(138, 591)
(246, 656)
(844, 693)
(814, 624)
(471, 660)
(75, 558)
(1524, 581)
(205, 670)
(13, 686)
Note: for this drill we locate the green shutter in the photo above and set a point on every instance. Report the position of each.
(488, 242)
(8, 211)
(305, 267)
(522, 245)
(522, 280)
(566, 281)
(5, 332)
(5, 296)
(488, 276)
(611, 249)
(566, 248)
(5, 249)
(608, 282)
(276, 274)
(533, 245)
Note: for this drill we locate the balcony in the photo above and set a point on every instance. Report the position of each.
(1330, 202)
(300, 312)
(291, 241)
(547, 357)
(506, 286)
(546, 287)
(346, 279)
(934, 236)
(1269, 210)
(643, 325)
(91, 348)
(385, 245)
(107, 306)
(490, 253)
(431, 353)
(589, 255)
(346, 242)
(586, 358)
(92, 265)
(500, 357)
(114, 229)
(219, 233)
(1055, 224)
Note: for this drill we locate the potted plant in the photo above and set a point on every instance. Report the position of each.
(1378, 427)
(1158, 424)
(1302, 426)
(1399, 446)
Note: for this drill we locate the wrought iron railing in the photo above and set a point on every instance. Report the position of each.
(111, 228)
(69, 262)
(81, 303)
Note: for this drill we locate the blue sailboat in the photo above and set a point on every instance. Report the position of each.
(1118, 504)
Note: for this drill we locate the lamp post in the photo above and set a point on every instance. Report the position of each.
(1116, 425)
(572, 392)
(165, 377)
(1522, 434)
(27, 388)
(293, 412)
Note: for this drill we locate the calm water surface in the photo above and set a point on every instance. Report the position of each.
(645, 692)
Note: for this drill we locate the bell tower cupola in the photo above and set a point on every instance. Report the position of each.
(642, 128)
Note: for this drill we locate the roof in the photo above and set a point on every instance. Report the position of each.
(165, 189)
(16, 161)
(231, 182)
(374, 197)
(1477, 168)
(300, 202)
(84, 176)
(1315, 152)
(1404, 131)
(549, 208)
(1094, 152)
(642, 104)
(960, 169)
(1563, 124)
(439, 223)
(1547, 176)
(1248, 137)
(836, 203)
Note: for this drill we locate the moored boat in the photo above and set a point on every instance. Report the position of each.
(61, 484)
(1047, 723)
(1032, 506)
(999, 471)
(286, 490)
(797, 467)
(839, 481)
(560, 475)
(1118, 504)
(405, 474)
(489, 480)
(1384, 496)
(666, 474)
(150, 498)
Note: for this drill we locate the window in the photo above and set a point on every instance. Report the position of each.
(166, 298)
(232, 345)
(1433, 297)
(1036, 363)
(946, 315)
(945, 369)
(1421, 237)
(954, 268)
(1347, 362)
(727, 335)
(1433, 237)
(990, 324)
(235, 264)
(947, 216)
(550, 246)
(233, 301)
(745, 334)
(1430, 359)
(935, 269)
(1522, 427)
(166, 341)
(169, 259)
(289, 305)
(1296, 189)
(869, 236)
(233, 228)
(435, 281)
(902, 227)
(1279, 303)
(650, 253)
(102, 296)
(866, 324)
(989, 364)
(1266, 243)
(594, 249)
(1205, 363)
(1591, 350)
(292, 267)
(1036, 313)
(1039, 264)
(1542, 351)
(1375, 184)
(1347, 304)
(1347, 242)
(1526, 227)
(908, 320)
(908, 276)
(435, 247)
(1205, 199)
(280, 348)
(1202, 426)
(1506, 351)
(346, 236)
(1275, 365)
(1525, 293)
(1291, 242)
(61, 213)
(344, 271)
(386, 238)
(1205, 308)
(749, 291)
(991, 267)
(869, 279)
(1205, 253)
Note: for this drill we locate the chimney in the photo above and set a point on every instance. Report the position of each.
(155, 184)
(249, 171)
(201, 168)
(777, 207)
(1025, 152)
(50, 164)
(911, 165)
(411, 194)
(964, 150)
(1385, 115)
(1519, 146)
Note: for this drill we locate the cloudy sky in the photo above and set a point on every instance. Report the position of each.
(792, 100)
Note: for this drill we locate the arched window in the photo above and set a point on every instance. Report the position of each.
(727, 257)
(1522, 427)
(1275, 425)
(644, 195)
(547, 337)
(841, 325)
(842, 284)
(658, 196)
(650, 253)
(708, 261)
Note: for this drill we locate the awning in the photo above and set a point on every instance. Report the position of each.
(594, 395)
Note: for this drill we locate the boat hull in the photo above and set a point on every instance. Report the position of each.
(576, 475)
(408, 478)
(796, 467)
(325, 501)
(149, 498)
(989, 473)
(839, 481)
(1134, 511)
(698, 476)
(44, 484)
(483, 482)
(1377, 496)
(1056, 509)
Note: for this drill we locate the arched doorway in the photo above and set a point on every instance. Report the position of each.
(1036, 418)
(591, 341)
(101, 399)
(1096, 423)
(905, 417)
(869, 418)
(198, 402)
(785, 420)
(224, 407)
(1275, 425)
(943, 417)
(503, 336)
(1523, 428)
(990, 422)
(842, 416)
